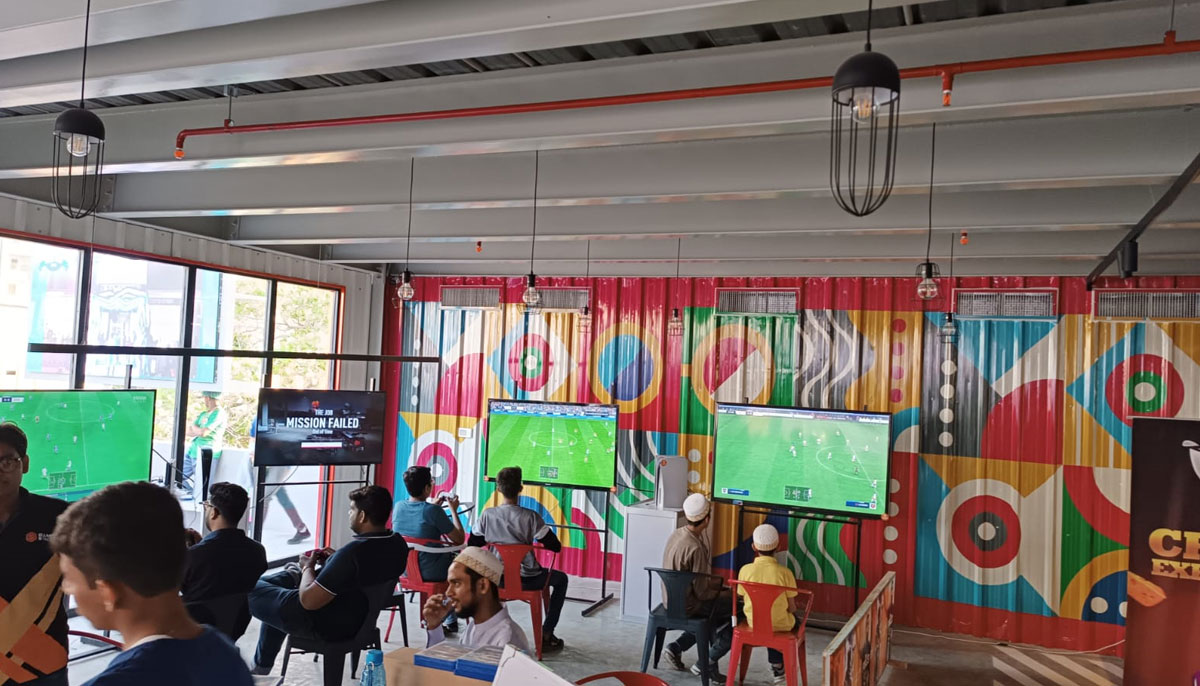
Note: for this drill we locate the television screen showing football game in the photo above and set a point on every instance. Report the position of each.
(318, 427)
(803, 459)
(82, 441)
(555, 444)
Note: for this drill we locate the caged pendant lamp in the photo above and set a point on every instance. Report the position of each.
(863, 126)
(405, 290)
(927, 271)
(532, 297)
(675, 322)
(78, 151)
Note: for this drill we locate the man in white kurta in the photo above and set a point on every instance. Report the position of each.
(474, 593)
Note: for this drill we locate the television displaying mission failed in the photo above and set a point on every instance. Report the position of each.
(82, 441)
(803, 459)
(318, 428)
(556, 444)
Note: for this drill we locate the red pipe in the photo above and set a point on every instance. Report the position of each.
(1169, 46)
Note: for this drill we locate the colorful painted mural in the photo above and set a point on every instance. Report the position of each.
(1008, 505)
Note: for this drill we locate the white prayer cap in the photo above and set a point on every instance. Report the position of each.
(482, 562)
(766, 538)
(695, 507)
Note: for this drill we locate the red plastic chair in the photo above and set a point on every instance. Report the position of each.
(626, 678)
(412, 582)
(511, 556)
(790, 643)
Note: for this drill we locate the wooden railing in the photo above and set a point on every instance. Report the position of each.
(860, 652)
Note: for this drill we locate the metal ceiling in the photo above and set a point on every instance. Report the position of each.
(918, 13)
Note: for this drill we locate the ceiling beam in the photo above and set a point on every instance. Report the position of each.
(45, 26)
(1140, 149)
(141, 139)
(1016, 245)
(1164, 203)
(368, 35)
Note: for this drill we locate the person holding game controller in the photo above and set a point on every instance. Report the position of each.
(323, 594)
(419, 518)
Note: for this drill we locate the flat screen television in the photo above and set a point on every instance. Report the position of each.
(570, 445)
(299, 427)
(82, 441)
(803, 459)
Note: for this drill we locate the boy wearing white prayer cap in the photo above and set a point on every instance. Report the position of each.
(474, 593)
(765, 569)
(687, 551)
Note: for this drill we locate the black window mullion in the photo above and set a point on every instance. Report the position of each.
(185, 373)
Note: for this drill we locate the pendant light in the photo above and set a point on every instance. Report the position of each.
(927, 271)
(532, 296)
(406, 290)
(864, 121)
(78, 151)
(675, 323)
(949, 328)
(585, 314)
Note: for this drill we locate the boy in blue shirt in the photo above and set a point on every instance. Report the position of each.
(122, 553)
(419, 518)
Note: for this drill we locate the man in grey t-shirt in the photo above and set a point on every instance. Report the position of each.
(510, 524)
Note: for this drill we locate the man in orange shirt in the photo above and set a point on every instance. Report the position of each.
(33, 644)
(765, 569)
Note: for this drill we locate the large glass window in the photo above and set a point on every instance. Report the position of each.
(136, 302)
(142, 303)
(39, 303)
(305, 321)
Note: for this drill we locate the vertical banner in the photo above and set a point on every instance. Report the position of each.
(1163, 612)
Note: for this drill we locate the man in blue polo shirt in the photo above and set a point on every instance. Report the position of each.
(35, 650)
(330, 604)
(419, 518)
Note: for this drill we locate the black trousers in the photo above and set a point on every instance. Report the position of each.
(558, 595)
(721, 633)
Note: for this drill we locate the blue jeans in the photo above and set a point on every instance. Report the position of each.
(276, 603)
(774, 656)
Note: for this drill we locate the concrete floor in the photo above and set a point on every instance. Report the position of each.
(604, 643)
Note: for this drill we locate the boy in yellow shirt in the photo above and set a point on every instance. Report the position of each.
(765, 569)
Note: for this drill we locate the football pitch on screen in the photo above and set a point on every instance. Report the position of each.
(80, 442)
(572, 451)
(822, 464)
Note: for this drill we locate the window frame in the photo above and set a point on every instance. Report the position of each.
(87, 253)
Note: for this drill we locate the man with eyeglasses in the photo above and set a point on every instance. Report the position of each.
(33, 645)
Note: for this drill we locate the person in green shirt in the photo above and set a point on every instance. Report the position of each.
(206, 431)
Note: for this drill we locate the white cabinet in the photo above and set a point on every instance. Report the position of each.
(646, 532)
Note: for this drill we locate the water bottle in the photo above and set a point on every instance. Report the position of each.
(372, 674)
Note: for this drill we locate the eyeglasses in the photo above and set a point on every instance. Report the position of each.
(10, 463)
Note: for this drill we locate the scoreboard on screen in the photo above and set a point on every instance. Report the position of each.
(803, 459)
(82, 441)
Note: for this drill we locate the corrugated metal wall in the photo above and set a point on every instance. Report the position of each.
(1008, 510)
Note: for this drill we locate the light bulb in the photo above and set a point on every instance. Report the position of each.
(585, 321)
(675, 323)
(406, 290)
(532, 296)
(862, 104)
(927, 289)
(79, 145)
(949, 330)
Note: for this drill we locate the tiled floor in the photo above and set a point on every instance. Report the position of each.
(603, 643)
